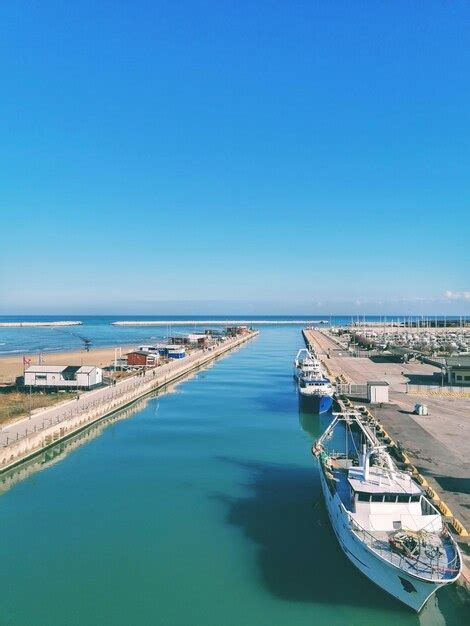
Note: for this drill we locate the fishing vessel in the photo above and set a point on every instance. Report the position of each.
(317, 390)
(383, 521)
(306, 363)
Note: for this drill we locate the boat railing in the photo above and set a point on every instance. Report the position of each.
(431, 568)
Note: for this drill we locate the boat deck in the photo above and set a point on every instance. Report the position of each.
(442, 567)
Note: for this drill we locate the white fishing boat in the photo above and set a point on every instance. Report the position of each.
(317, 390)
(306, 364)
(383, 521)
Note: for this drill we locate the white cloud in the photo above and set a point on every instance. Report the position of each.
(457, 295)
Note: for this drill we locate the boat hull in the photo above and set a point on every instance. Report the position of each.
(412, 591)
(317, 403)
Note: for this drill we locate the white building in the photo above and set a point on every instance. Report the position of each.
(63, 376)
(377, 392)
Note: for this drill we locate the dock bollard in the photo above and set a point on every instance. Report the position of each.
(460, 530)
(444, 509)
(430, 493)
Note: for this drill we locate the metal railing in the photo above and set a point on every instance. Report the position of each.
(432, 569)
(438, 390)
(350, 389)
(115, 397)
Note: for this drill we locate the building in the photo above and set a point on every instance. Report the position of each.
(176, 352)
(218, 333)
(234, 331)
(63, 376)
(151, 349)
(458, 370)
(191, 339)
(140, 358)
(377, 392)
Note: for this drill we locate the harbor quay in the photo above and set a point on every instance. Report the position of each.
(23, 439)
(435, 445)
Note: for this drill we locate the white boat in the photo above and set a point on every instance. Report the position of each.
(318, 390)
(306, 364)
(382, 519)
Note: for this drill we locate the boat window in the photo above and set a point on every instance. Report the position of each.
(363, 497)
(390, 498)
(415, 498)
(377, 497)
(402, 498)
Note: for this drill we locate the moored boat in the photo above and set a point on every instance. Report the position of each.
(383, 521)
(318, 391)
(306, 363)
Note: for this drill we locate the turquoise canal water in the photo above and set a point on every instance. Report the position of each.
(202, 508)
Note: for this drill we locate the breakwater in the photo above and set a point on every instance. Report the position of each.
(210, 322)
(21, 440)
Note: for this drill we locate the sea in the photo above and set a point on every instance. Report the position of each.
(102, 333)
(201, 506)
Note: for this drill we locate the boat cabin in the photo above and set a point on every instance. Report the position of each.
(382, 498)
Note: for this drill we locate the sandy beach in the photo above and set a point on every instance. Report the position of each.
(12, 366)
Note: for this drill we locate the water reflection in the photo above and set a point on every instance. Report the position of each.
(59, 451)
(312, 423)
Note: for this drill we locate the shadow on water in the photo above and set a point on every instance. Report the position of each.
(298, 556)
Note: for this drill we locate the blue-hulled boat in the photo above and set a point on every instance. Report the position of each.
(317, 391)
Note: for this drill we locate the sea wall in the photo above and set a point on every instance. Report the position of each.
(48, 431)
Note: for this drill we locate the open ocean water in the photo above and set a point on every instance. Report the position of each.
(202, 508)
(101, 332)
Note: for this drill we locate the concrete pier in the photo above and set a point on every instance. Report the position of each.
(21, 440)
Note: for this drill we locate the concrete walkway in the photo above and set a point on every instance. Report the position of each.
(29, 435)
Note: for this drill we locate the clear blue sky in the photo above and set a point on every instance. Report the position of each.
(232, 156)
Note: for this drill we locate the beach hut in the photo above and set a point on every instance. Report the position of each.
(63, 376)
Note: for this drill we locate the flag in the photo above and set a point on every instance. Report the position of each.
(41, 359)
(26, 361)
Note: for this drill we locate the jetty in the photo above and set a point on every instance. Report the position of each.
(38, 324)
(24, 439)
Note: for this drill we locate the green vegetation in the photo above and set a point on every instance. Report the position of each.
(15, 404)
